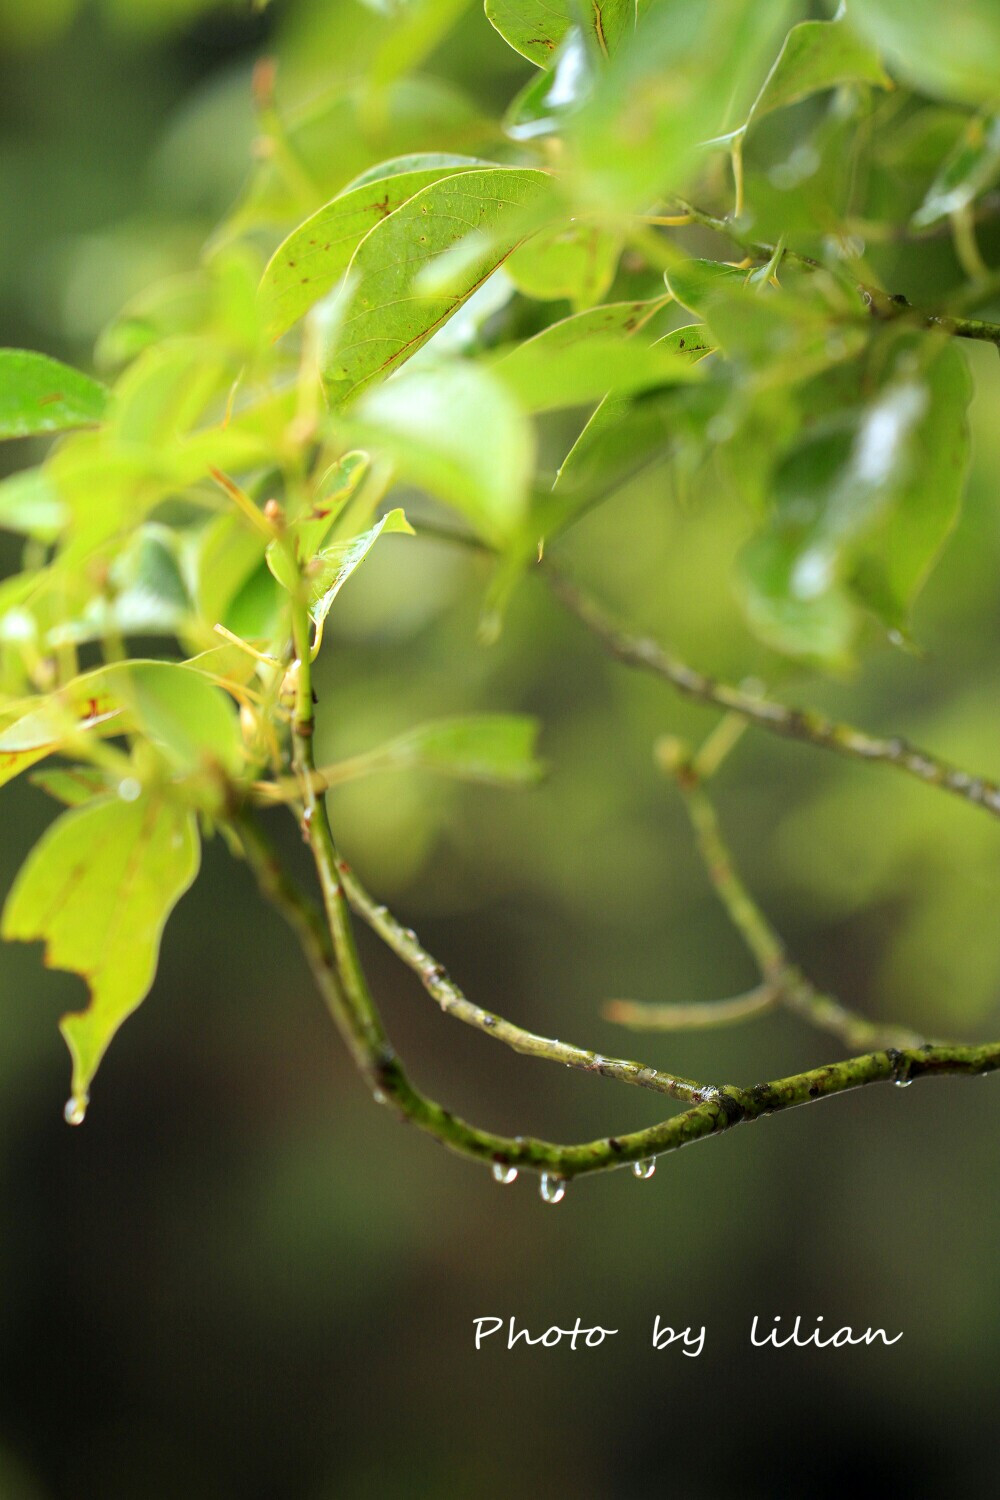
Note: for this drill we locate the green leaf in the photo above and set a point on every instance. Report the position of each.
(494, 748)
(314, 257)
(924, 494)
(332, 567)
(577, 261)
(862, 506)
(391, 313)
(456, 431)
(814, 56)
(548, 99)
(950, 51)
(194, 722)
(29, 503)
(337, 135)
(694, 283)
(56, 722)
(336, 488)
(970, 168)
(39, 395)
(625, 434)
(581, 358)
(814, 625)
(535, 28)
(418, 27)
(670, 86)
(97, 889)
(71, 785)
(144, 594)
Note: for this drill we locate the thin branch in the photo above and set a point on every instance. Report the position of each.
(693, 1015)
(793, 723)
(881, 303)
(435, 979)
(724, 1108)
(782, 980)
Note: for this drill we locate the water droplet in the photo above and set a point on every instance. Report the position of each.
(76, 1109)
(552, 1189)
(644, 1169)
(129, 790)
(901, 1074)
(378, 1096)
(504, 1174)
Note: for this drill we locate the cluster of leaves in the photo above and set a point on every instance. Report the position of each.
(634, 268)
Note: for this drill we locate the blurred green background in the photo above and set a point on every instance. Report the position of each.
(243, 1280)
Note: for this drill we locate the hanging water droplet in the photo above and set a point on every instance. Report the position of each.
(552, 1189)
(504, 1174)
(644, 1169)
(378, 1096)
(76, 1109)
(901, 1073)
(902, 1081)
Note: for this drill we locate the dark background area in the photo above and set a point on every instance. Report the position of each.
(242, 1279)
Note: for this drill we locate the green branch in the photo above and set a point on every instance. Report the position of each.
(435, 979)
(720, 1111)
(792, 723)
(881, 304)
(783, 983)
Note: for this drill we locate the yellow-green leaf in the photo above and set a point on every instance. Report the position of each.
(97, 890)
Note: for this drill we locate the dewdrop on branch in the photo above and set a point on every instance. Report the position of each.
(552, 1189)
(644, 1169)
(504, 1174)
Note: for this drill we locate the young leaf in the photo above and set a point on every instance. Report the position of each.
(456, 431)
(97, 889)
(389, 317)
(535, 28)
(332, 567)
(336, 488)
(39, 395)
(311, 261)
(495, 748)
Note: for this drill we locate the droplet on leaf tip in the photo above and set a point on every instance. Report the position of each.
(75, 1111)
